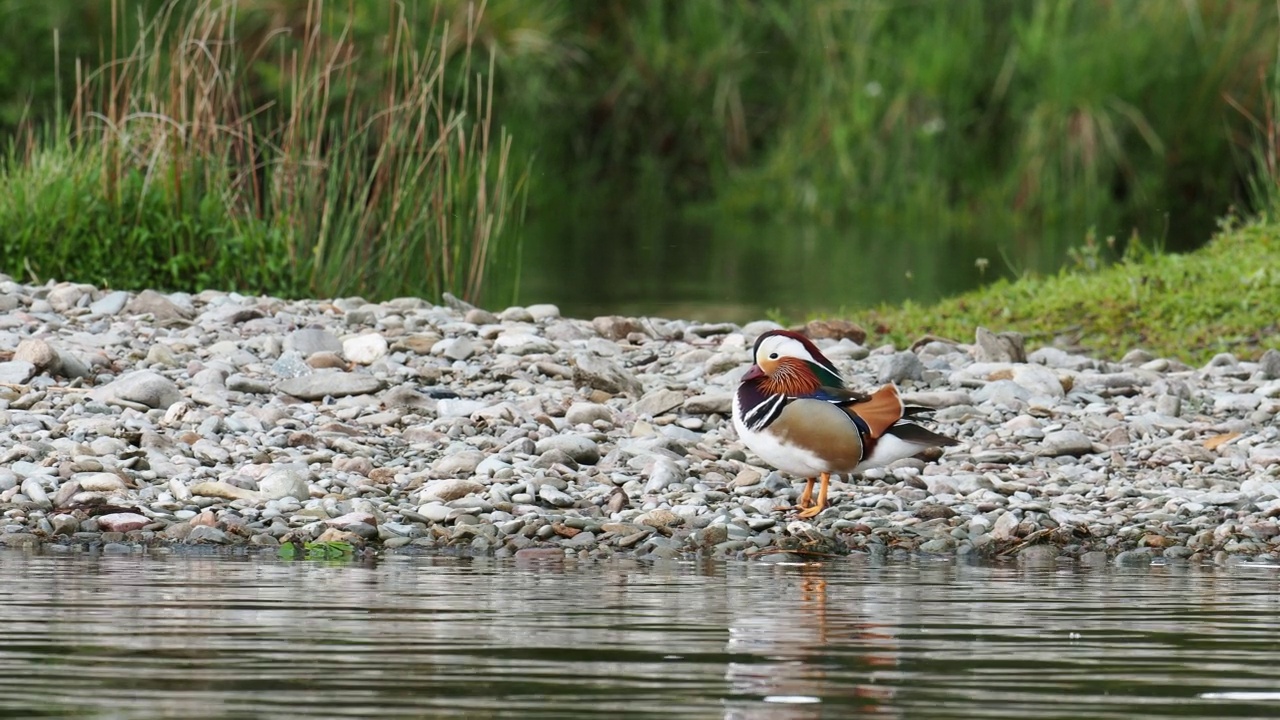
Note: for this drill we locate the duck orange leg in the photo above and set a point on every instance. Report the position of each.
(806, 497)
(822, 499)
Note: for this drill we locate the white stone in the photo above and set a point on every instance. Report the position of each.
(435, 511)
(283, 483)
(454, 407)
(1004, 527)
(522, 343)
(365, 349)
(450, 489)
(99, 481)
(457, 464)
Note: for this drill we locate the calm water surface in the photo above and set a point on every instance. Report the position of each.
(183, 637)
(723, 268)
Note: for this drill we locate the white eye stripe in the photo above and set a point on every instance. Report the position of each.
(778, 348)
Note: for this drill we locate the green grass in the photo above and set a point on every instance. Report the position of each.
(302, 165)
(1220, 298)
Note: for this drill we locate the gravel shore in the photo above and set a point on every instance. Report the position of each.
(145, 422)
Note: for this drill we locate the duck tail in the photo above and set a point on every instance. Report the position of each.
(917, 435)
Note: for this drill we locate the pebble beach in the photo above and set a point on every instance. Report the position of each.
(153, 423)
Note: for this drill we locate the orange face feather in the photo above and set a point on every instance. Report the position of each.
(789, 376)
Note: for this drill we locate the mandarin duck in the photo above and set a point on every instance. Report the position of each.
(793, 410)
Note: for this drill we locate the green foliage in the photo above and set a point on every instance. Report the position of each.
(1047, 109)
(827, 109)
(857, 147)
(51, 36)
(359, 147)
(1221, 298)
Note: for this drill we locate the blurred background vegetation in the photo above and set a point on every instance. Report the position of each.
(709, 159)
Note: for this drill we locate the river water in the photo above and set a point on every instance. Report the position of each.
(204, 637)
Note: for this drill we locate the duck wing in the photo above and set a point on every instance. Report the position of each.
(874, 414)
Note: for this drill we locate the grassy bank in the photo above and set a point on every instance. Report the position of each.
(1224, 297)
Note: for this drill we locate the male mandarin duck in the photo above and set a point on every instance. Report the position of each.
(793, 410)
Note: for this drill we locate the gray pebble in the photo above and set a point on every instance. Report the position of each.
(309, 341)
(143, 387)
(580, 449)
(901, 367)
(600, 373)
(1139, 557)
(1269, 364)
(554, 497)
(330, 383)
(110, 304)
(1066, 442)
(584, 413)
(16, 372)
(658, 402)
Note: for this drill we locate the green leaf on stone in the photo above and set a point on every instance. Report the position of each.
(329, 550)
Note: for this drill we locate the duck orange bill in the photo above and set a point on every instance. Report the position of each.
(752, 373)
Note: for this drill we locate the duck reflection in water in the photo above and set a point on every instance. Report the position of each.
(800, 661)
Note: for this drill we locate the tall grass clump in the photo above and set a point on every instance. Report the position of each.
(304, 163)
(1264, 181)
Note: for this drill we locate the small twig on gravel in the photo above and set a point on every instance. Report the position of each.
(1026, 542)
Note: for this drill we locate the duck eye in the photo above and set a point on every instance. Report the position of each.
(773, 356)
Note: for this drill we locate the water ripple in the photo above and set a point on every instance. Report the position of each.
(131, 637)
